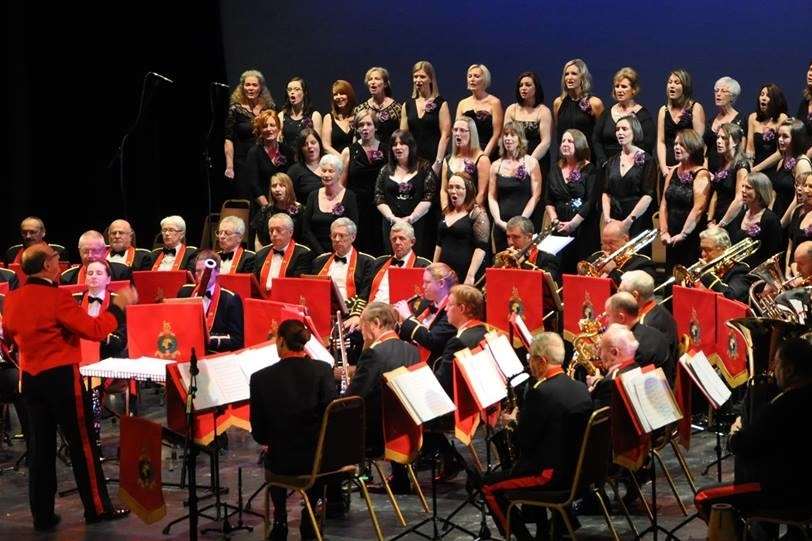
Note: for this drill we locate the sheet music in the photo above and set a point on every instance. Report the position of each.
(505, 356)
(255, 359)
(141, 369)
(522, 326)
(709, 382)
(316, 350)
(221, 381)
(482, 373)
(552, 244)
(422, 394)
(654, 396)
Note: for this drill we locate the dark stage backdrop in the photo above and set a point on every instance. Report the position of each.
(324, 40)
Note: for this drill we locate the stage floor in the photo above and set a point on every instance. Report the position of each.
(15, 522)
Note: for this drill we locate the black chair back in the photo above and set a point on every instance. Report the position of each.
(341, 441)
(595, 456)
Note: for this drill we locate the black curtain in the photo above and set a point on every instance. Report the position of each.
(75, 73)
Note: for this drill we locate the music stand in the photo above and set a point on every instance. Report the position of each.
(154, 286)
(243, 284)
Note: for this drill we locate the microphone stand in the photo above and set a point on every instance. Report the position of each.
(206, 158)
(191, 450)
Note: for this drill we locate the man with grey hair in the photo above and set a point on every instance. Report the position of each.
(350, 270)
(641, 285)
(519, 232)
(617, 350)
(283, 257)
(92, 248)
(613, 236)
(121, 249)
(550, 426)
(653, 346)
(734, 283)
(401, 238)
(175, 254)
(233, 257)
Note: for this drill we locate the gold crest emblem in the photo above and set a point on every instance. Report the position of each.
(695, 330)
(587, 308)
(732, 345)
(167, 343)
(146, 474)
(273, 330)
(515, 304)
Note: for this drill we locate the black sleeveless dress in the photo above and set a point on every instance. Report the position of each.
(362, 173)
(767, 232)
(512, 192)
(388, 119)
(458, 241)
(533, 136)
(340, 139)
(625, 191)
(604, 140)
(723, 184)
(575, 114)
(468, 170)
(239, 129)
(671, 128)
(484, 128)
(292, 128)
(805, 116)
(795, 232)
(680, 200)
(305, 181)
(317, 222)
(765, 144)
(709, 138)
(783, 180)
(425, 129)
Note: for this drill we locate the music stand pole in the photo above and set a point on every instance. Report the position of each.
(191, 450)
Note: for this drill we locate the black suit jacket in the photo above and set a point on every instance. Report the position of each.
(115, 345)
(188, 258)
(9, 276)
(603, 390)
(547, 262)
(247, 263)
(362, 277)
(11, 253)
(142, 261)
(118, 271)
(735, 284)
(367, 382)
(444, 366)
(653, 348)
(301, 262)
(635, 262)
(551, 422)
(419, 262)
(227, 330)
(288, 400)
(434, 338)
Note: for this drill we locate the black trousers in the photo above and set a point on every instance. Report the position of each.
(57, 398)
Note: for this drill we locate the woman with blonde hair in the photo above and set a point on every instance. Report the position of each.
(484, 108)
(466, 160)
(380, 102)
(576, 107)
(426, 115)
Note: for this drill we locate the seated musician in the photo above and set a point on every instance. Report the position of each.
(641, 285)
(283, 257)
(773, 442)
(222, 307)
(618, 347)
(519, 231)
(401, 238)
(465, 309)
(734, 282)
(383, 351)
(122, 249)
(175, 254)
(10, 277)
(92, 247)
(96, 300)
(349, 269)
(551, 422)
(32, 231)
(653, 346)
(233, 257)
(288, 400)
(614, 236)
(802, 265)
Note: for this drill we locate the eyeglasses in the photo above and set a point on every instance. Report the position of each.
(222, 233)
(170, 230)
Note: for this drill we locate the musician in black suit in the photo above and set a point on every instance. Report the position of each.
(233, 257)
(91, 247)
(550, 426)
(653, 346)
(641, 285)
(465, 309)
(32, 231)
(773, 442)
(735, 282)
(283, 257)
(349, 269)
(222, 308)
(617, 350)
(428, 326)
(288, 400)
(10, 277)
(96, 300)
(175, 254)
(122, 248)
(401, 239)
(519, 231)
(613, 236)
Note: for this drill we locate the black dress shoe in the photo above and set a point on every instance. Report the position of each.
(48, 524)
(279, 532)
(116, 513)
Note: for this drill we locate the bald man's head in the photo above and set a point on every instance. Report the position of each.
(32, 230)
(120, 234)
(91, 246)
(803, 258)
(613, 236)
(41, 260)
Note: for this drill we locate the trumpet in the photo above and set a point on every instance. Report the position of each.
(686, 276)
(619, 256)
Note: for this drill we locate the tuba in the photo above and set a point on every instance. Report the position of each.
(764, 303)
(586, 345)
(619, 256)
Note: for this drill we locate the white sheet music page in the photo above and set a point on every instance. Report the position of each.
(552, 244)
(316, 350)
(706, 377)
(481, 372)
(255, 359)
(208, 392)
(229, 377)
(506, 358)
(423, 392)
(658, 407)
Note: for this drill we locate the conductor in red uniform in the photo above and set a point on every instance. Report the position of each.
(46, 324)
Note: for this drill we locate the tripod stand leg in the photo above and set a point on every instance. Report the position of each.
(600, 494)
(684, 465)
(640, 495)
(417, 489)
(670, 482)
(389, 494)
(625, 509)
(372, 515)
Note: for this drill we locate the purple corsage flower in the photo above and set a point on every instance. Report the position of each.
(685, 176)
(639, 157)
(293, 210)
(789, 163)
(574, 176)
(719, 176)
(483, 114)
(279, 160)
(338, 210)
(768, 134)
(383, 116)
(686, 115)
(404, 188)
(375, 155)
(307, 122)
(584, 104)
(808, 231)
(429, 106)
(753, 230)
(521, 172)
(469, 168)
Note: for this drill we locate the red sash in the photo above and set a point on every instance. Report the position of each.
(181, 251)
(266, 265)
(211, 313)
(384, 337)
(350, 272)
(239, 253)
(81, 275)
(129, 257)
(376, 282)
(18, 259)
(425, 314)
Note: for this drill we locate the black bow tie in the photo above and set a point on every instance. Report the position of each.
(119, 253)
(397, 262)
(339, 259)
(226, 256)
(169, 251)
(91, 300)
(279, 252)
(432, 308)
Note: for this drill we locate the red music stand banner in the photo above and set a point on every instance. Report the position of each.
(695, 314)
(630, 443)
(584, 298)
(154, 286)
(313, 294)
(262, 319)
(402, 437)
(514, 291)
(405, 283)
(165, 331)
(140, 486)
(243, 284)
(731, 349)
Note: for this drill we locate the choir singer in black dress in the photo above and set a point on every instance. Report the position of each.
(680, 112)
(729, 175)
(327, 204)
(576, 107)
(756, 220)
(462, 236)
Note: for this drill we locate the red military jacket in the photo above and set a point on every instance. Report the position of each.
(46, 324)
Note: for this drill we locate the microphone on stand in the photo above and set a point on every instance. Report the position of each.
(161, 77)
(219, 85)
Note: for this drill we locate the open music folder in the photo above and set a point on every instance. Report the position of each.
(506, 359)
(420, 393)
(705, 377)
(482, 375)
(650, 398)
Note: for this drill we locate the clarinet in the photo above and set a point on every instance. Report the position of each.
(342, 362)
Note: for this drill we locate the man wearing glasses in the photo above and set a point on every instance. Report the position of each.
(234, 258)
(122, 247)
(175, 254)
